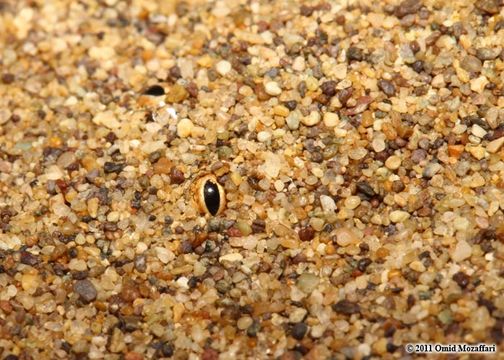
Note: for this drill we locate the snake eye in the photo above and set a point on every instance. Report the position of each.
(210, 195)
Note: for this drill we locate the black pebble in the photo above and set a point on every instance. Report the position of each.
(346, 307)
(111, 167)
(253, 329)
(418, 66)
(362, 264)
(461, 279)
(364, 188)
(291, 104)
(354, 53)
(299, 330)
(167, 350)
(11, 357)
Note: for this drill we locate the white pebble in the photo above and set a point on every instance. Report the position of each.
(184, 128)
(297, 315)
(293, 121)
(345, 237)
(77, 265)
(398, 216)
(352, 202)
(393, 162)
(164, 255)
(231, 257)
(102, 53)
(357, 154)
(299, 64)
(307, 282)
(223, 67)
(378, 143)
(54, 173)
(312, 119)
(272, 88)
(494, 145)
(478, 84)
(279, 185)
(478, 131)
(264, 136)
(272, 165)
(328, 204)
(477, 151)
(331, 119)
(107, 119)
(462, 251)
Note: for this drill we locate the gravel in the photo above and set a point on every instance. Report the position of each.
(346, 307)
(299, 331)
(86, 290)
(360, 148)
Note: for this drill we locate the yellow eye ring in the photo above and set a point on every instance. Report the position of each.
(209, 195)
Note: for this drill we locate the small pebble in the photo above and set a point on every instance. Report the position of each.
(293, 121)
(331, 119)
(431, 169)
(329, 88)
(486, 53)
(393, 162)
(177, 94)
(111, 167)
(478, 131)
(176, 176)
(244, 323)
(299, 64)
(184, 128)
(471, 63)
(478, 84)
(364, 188)
(462, 251)
(299, 331)
(254, 329)
(477, 151)
(418, 155)
(223, 67)
(354, 53)
(387, 87)
(327, 203)
(264, 136)
(461, 279)
(306, 233)
(107, 119)
(346, 307)
(352, 202)
(307, 282)
(345, 237)
(297, 315)
(272, 88)
(398, 216)
(494, 145)
(488, 6)
(86, 290)
(418, 266)
(378, 144)
(312, 119)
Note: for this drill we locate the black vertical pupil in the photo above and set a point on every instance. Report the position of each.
(155, 90)
(212, 197)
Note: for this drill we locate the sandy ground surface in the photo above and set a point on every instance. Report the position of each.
(356, 153)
